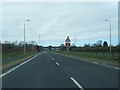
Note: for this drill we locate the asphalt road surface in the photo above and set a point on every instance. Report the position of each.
(49, 70)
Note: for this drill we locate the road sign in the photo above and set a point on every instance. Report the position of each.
(67, 42)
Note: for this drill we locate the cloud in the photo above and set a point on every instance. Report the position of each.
(58, 20)
(49, 25)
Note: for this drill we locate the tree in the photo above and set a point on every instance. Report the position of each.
(21, 43)
(118, 44)
(87, 45)
(99, 43)
(32, 42)
(14, 43)
(6, 42)
(105, 44)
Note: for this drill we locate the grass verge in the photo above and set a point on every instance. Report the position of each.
(101, 58)
(11, 63)
(8, 55)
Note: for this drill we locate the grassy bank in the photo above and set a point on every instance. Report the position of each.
(8, 55)
(97, 57)
(13, 62)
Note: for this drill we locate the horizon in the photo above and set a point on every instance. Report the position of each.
(84, 22)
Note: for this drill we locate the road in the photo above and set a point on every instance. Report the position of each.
(49, 70)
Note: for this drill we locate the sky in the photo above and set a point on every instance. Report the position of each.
(84, 22)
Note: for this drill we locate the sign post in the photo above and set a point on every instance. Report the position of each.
(67, 43)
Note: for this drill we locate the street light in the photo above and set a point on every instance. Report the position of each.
(110, 32)
(74, 39)
(40, 39)
(24, 36)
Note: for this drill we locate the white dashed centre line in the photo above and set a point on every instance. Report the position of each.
(50, 56)
(57, 63)
(76, 83)
(53, 59)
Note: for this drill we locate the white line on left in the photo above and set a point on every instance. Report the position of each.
(2, 75)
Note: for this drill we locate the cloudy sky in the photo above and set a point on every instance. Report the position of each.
(54, 21)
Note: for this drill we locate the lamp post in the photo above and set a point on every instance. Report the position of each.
(24, 37)
(74, 39)
(110, 32)
(40, 42)
(39, 39)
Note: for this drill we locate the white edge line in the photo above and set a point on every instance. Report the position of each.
(2, 75)
(105, 65)
(76, 83)
(95, 62)
(108, 66)
(57, 63)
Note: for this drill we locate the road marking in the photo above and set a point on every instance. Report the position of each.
(105, 65)
(57, 63)
(95, 62)
(49, 55)
(111, 66)
(76, 83)
(2, 75)
(53, 59)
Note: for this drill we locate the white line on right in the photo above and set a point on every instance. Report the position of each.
(105, 65)
(76, 83)
(95, 62)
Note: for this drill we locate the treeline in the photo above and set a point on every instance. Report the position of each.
(14, 47)
(96, 47)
